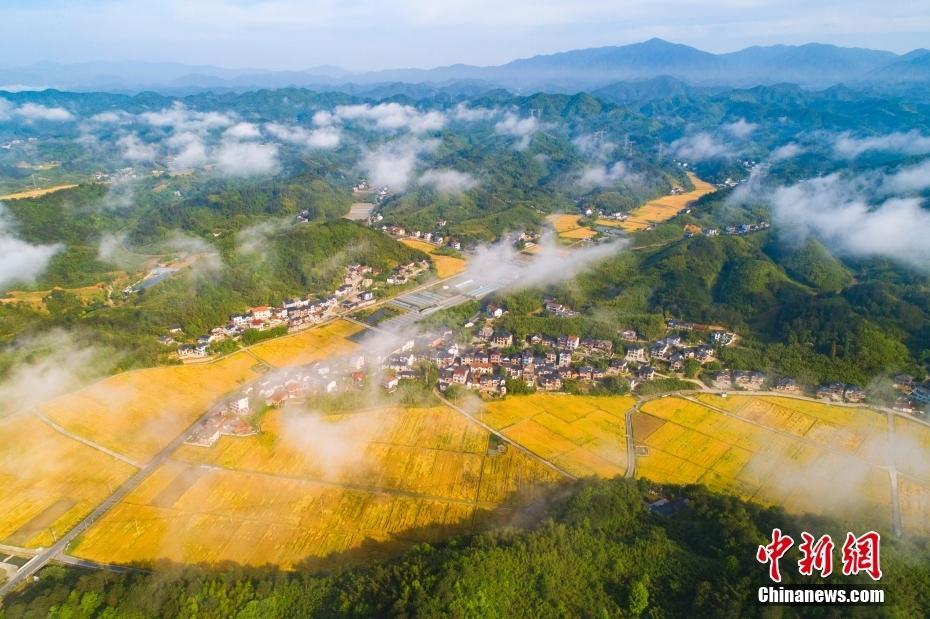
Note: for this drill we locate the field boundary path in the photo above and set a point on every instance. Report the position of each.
(61, 430)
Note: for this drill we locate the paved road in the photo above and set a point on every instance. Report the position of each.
(55, 551)
(61, 430)
(630, 446)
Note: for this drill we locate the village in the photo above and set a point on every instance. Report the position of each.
(292, 315)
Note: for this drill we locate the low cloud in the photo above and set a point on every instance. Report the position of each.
(604, 175)
(189, 151)
(323, 137)
(33, 111)
(246, 158)
(521, 128)
(912, 179)
(392, 164)
(839, 213)
(740, 129)
(179, 118)
(243, 131)
(786, 151)
(134, 149)
(393, 117)
(594, 145)
(503, 267)
(473, 114)
(20, 261)
(911, 143)
(699, 147)
(254, 240)
(448, 181)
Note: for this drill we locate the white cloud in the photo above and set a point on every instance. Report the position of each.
(740, 128)
(521, 128)
(33, 111)
(135, 149)
(392, 164)
(603, 175)
(110, 118)
(448, 181)
(786, 151)
(591, 144)
(189, 151)
(699, 147)
(246, 158)
(20, 261)
(393, 117)
(243, 131)
(838, 212)
(6, 109)
(323, 118)
(910, 143)
(473, 114)
(911, 179)
(181, 119)
(324, 137)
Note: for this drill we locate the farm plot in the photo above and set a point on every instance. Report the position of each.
(771, 458)
(584, 435)
(446, 266)
(566, 226)
(36, 193)
(137, 413)
(307, 346)
(49, 481)
(299, 493)
(662, 209)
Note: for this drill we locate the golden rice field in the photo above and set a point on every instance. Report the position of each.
(446, 266)
(138, 413)
(319, 492)
(912, 460)
(36, 193)
(566, 226)
(584, 435)
(309, 345)
(772, 450)
(662, 209)
(49, 481)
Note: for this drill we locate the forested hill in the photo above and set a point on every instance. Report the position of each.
(600, 552)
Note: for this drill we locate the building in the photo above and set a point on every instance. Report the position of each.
(637, 354)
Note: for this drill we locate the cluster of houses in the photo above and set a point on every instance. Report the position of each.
(734, 230)
(295, 314)
(405, 272)
(841, 392)
(228, 419)
(913, 397)
(434, 238)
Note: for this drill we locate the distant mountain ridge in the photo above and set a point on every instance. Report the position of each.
(813, 65)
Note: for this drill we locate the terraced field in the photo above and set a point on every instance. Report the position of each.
(566, 226)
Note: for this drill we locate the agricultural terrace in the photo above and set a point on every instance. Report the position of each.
(446, 266)
(36, 193)
(585, 435)
(326, 341)
(804, 456)
(49, 481)
(662, 209)
(138, 413)
(374, 483)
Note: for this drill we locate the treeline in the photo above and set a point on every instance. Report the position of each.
(598, 551)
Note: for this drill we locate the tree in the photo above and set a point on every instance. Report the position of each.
(638, 598)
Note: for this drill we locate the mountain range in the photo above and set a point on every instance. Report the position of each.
(814, 65)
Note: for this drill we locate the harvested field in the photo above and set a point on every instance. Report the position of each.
(307, 346)
(662, 209)
(566, 226)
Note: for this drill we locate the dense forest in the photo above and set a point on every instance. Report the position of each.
(597, 550)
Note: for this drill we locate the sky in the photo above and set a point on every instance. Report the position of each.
(378, 34)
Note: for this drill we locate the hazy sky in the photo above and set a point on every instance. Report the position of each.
(375, 34)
